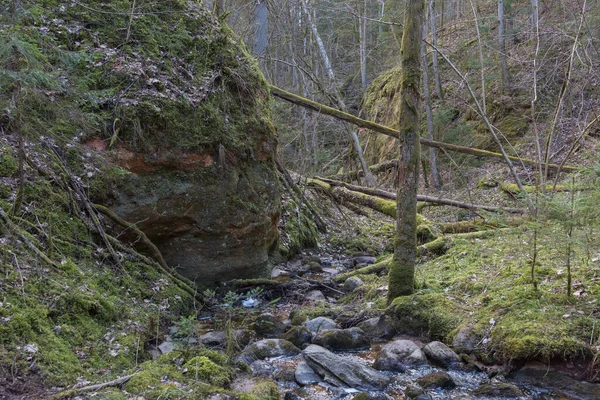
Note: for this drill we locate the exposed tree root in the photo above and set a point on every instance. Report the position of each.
(23, 236)
(296, 192)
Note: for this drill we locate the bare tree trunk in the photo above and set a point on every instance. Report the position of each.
(502, 44)
(435, 175)
(436, 69)
(329, 69)
(402, 266)
(481, 60)
(362, 33)
(261, 29)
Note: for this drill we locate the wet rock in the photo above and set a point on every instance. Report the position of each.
(292, 396)
(166, 347)
(298, 335)
(437, 380)
(367, 260)
(545, 378)
(218, 339)
(305, 375)
(466, 340)
(315, 267)
(311, 259)
(352, 283)
(442, 355)
(262, 369)
(316, 296)
(414, 392)
(277, 272)
(498, 389)
(343, 371)
(378, 328)
(399, 356)
(321, 324)
(285, 373)
(267, 348)
(342, 339)
(268, 325)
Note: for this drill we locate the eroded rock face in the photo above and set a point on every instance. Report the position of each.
(198, 166)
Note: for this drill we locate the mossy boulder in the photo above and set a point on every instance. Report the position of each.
(203, 368)
(173, 101)
(437, 380)
(431, 314)
(342, 339)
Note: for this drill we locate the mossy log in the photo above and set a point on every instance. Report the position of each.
(512, 188)
(428, 199)
(477, 225)
(377, 168)
(323, 109)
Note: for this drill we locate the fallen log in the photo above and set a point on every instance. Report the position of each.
(94, 388)
(343, 116)
(377, 168)
(428, 199)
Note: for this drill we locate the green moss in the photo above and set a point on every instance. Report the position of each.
(265, 390)
(203, 368)
(8, 165)
(431, 314)
(152, 376)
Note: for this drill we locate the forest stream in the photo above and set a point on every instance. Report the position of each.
(341, 365)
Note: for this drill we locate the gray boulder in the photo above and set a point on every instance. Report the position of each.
(442, 355)
(315, 296)
(218, 339)
(399, 356)
(267, 348)
(298, 335)
(268, 325)
(378, 328)
(342, 339)
(320, 324)
(305, 375)
(262, 369)
(352, 283)
(437, 380)
(466, 340)
(343, 371)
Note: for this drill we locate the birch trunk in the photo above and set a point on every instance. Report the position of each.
(436, 69)
(502, 44)
(329, 69)
(435, 175)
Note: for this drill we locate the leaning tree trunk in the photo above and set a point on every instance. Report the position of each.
(402, 267)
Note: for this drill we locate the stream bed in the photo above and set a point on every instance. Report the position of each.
(334, 359)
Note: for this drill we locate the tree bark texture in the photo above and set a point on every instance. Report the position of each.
(402, 267)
